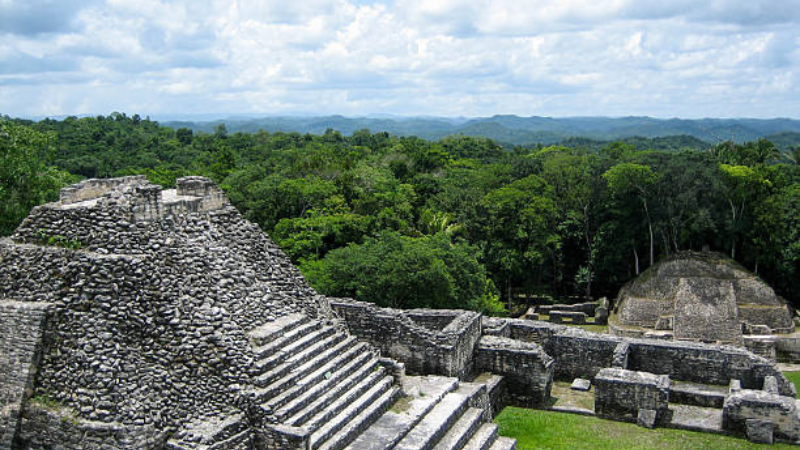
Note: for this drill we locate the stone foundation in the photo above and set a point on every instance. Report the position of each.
(628, 395)
(526, 368)
(426, 341)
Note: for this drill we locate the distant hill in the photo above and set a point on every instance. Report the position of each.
(665, 143)
(515, 130)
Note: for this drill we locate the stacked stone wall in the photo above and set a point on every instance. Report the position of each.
(97, 187)
(149, 318)
(631, 396)
(581, 354)
(776, 412)
(446, 351)
(50, 427)
(21, 329)
(526, 368)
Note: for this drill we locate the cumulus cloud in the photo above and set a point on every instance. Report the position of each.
(431, 57)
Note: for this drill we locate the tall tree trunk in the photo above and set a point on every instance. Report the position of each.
(508, 295)
(650, 229)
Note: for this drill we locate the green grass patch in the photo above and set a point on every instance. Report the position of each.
(794, 377)
(546, 430)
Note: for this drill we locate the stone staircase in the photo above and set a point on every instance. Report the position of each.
(438, 413)
(314, 377)
(213, 433)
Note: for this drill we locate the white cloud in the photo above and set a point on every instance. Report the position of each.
(432, 57)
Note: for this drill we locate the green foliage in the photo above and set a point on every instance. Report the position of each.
(26, 178)
(404, 272)
(574, 219)
(58, 241)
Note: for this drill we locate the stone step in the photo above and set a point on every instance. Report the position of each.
(307, 360)
(270, 331)
(483, 438)
(504, 443)
(461, 431)
(241, 440)
(295, 373)
(208, 432)
(317, 414)
(358, 364)
(344, 433)
(320, 380)
(350, 404)
(279, 351)
(435, 424)
(423, 393)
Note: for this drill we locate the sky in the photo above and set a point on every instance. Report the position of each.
(467, 58)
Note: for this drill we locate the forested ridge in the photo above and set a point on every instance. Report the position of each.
(461, 222)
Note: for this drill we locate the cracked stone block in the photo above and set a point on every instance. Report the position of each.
(647, 418)
(759, 431)
(581, 384)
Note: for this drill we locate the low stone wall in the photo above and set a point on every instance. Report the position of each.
(704, 363)
(582, 354)
(587, 308)
(787, 348)
(631, 396)
(526, 368)
(43, 427)
(773, 411)
(21, 328)
(212, 197)
(400, 334)
(97, 187)
(577, 318)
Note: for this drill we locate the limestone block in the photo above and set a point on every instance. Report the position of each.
(620, 394)
(581, 384)
(647, 418)
(759, 431)
(748, 404)
(664, 323)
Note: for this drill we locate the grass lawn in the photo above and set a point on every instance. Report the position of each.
(794, 377)
(546, 430)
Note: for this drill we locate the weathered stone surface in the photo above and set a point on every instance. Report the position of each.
(759, 431)
(526, 368)
(703, 297)
(581, 384)
(426, 341)
(180, 326)
(621, 394)
(21, 332)
(148, 320)
(582, 354)
(748, 404)
(647, 418)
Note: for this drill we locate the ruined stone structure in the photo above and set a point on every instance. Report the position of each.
(178, 325)
(702, 297)
(172, 323)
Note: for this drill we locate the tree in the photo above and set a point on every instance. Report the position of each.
(404, 272)
(744, 185)
(575, 194)
(636, 179)
(26, 180)
(517, 225)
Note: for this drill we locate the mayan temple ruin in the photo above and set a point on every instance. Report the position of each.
(705, 297)
(133, 317)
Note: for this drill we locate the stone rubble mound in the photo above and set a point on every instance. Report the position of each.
(699, 296)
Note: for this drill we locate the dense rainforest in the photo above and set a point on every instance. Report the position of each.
(457, 223)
